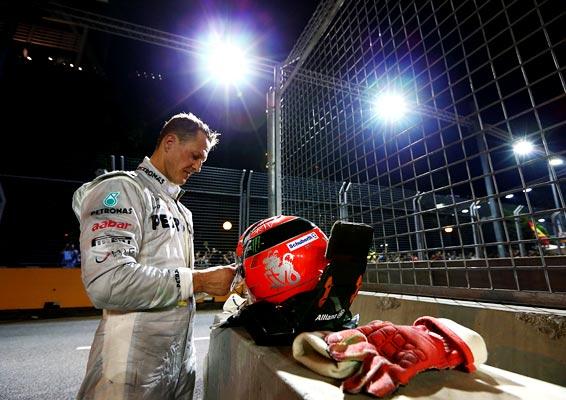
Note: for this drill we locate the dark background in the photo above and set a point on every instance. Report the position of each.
(59, 125)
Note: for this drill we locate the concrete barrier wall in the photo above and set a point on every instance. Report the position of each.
(524, 340)
(30, 288)
(236, 368)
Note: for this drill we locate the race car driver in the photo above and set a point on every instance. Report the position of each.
(137, 265)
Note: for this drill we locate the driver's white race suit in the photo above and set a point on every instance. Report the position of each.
(137, 254)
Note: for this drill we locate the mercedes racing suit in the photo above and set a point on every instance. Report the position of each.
(137, 255)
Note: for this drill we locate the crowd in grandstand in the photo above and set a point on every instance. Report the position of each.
(212, 257)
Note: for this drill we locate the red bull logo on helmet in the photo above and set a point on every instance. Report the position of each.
(302, 241)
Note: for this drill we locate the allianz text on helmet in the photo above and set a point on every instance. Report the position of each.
(282, 256)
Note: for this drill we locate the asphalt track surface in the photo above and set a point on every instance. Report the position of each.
(46, 359)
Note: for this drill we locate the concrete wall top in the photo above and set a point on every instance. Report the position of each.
(529, 341)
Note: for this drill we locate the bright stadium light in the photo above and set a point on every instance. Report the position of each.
(226, 62)
(523, 147)
(556, 161)
(390, 106)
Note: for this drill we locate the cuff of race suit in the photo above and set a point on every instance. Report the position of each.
(469, 342)
(310, 349)
(185, 282)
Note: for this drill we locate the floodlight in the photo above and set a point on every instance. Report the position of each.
(226, 62)
(556, 161)
(523, 147)
(390, 106)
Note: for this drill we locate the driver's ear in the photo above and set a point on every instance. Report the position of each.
(169, 141)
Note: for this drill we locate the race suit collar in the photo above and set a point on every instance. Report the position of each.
(158, 180)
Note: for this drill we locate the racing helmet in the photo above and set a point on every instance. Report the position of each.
(280, 257)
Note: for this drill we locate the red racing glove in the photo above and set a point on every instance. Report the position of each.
(393, 354)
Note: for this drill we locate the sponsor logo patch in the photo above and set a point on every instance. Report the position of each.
(302, 241)
(254, 244)
(111, 199)
(329, 317)
(112, 211)
(116, 253)
(100, 240)
(165, 221)
(152, 174)
(110, 223)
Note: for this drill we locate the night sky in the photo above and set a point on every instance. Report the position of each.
(60, 124)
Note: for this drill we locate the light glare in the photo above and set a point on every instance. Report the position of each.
(555, 161)
(390, 107)
(227, 63)
(523, 147)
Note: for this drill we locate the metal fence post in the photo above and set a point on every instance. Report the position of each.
(516, 213)
(343, 200)
(274, 145)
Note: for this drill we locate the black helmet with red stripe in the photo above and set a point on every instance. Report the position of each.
(281, 257)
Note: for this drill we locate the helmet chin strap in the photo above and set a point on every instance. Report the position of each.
(239, 284)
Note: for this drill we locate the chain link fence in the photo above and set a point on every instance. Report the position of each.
(458, 207)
